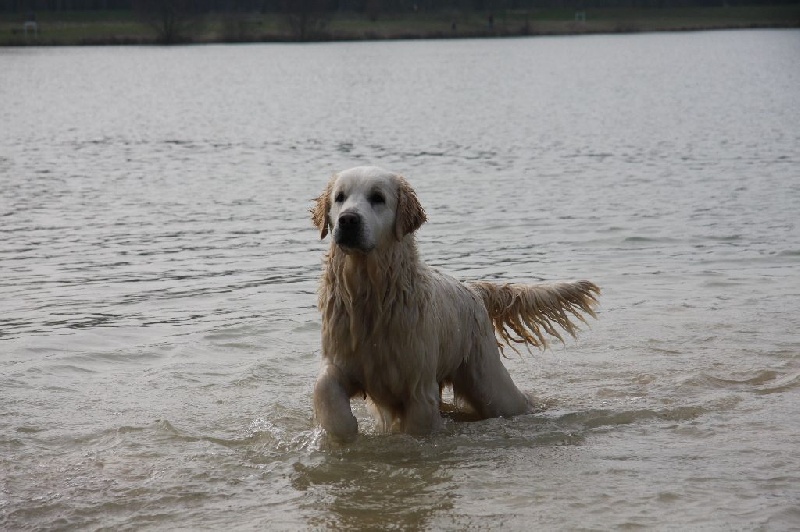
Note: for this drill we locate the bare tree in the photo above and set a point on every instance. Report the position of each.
(171, 19)
(307, 18)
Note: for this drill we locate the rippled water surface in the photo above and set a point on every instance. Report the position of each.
(158, 268)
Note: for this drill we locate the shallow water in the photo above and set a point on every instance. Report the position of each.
(158, 331)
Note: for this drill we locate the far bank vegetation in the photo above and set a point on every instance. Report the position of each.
(70, 22)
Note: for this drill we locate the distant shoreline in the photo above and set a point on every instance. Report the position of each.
(109, 28)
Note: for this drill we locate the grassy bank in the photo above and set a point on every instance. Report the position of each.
(120, 27)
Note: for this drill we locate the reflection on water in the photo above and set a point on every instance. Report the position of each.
(371, 487)
(158, 330)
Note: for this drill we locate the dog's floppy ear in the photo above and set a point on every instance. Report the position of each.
(322, 206)
(410, 215)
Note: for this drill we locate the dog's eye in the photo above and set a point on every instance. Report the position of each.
(339, 197)
(376, 198)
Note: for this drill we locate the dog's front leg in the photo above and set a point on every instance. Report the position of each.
(332, 405)
(421, 416)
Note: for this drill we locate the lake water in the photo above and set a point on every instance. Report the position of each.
(158, 267)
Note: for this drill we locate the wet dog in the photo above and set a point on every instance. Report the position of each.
(397, 331)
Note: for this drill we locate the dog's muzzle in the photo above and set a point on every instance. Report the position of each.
(349, 231)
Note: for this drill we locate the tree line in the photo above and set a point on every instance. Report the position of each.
(367, 7)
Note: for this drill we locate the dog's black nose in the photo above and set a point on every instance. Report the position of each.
(349, 220)
(348, 232)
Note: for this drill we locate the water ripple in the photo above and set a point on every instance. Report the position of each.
(158, 271)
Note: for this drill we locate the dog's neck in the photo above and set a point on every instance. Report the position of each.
(373, 277)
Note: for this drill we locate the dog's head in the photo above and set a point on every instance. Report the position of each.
(366, 208)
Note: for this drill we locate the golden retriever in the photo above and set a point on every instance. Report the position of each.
(397, 331)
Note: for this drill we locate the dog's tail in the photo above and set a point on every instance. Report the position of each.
(522, 314)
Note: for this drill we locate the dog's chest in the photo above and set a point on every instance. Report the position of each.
(379, 354)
